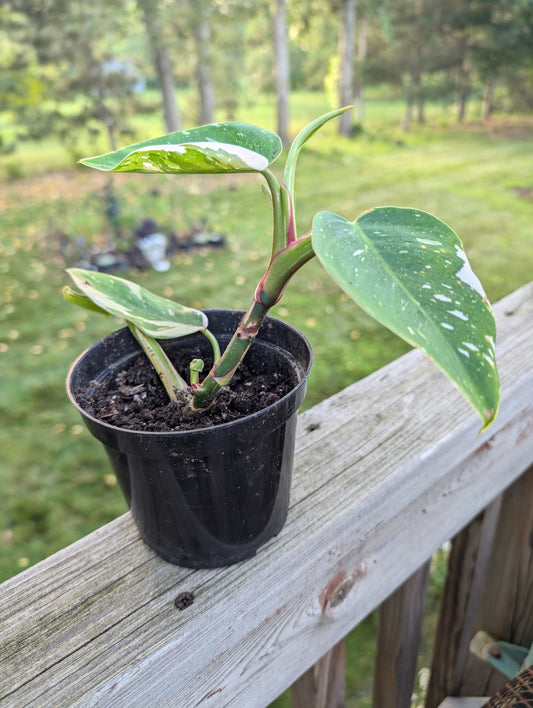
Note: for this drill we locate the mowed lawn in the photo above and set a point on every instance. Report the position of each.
(54, 480)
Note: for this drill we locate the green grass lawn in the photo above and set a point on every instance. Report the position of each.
(55, 482)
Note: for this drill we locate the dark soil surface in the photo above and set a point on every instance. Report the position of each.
(136, 400)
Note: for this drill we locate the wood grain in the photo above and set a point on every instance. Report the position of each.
(400, 627)
(323, 685)
(385, 472)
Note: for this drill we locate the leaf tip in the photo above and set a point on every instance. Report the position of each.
(488, 417)
(93, 162)
(67, 293)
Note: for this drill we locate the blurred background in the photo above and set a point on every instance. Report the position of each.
(443, 121)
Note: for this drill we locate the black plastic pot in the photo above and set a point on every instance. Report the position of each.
(209, 497)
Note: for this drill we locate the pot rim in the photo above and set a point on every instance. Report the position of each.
(197, 431)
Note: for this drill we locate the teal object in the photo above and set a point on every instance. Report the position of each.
(509, 659)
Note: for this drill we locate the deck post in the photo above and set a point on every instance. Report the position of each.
(323, 685)
(467, 567)
(506, 609)
(400, 628)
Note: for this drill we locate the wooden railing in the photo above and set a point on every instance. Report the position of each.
(386, 471)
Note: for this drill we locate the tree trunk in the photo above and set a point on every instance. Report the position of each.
(414, 97)
(461, 98)
(206, 89)
(163, 69)
(417, 37)
(282, 69)
(362, 48)
(488, 95)
(420, 110)
(346, 52)
(408, 115)
(462, 87)
(105, 114)
(168, 90)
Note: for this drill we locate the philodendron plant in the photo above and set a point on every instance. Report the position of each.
(405, 267)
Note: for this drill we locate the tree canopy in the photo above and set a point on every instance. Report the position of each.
(74, 69)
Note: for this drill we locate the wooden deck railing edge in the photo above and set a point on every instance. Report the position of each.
(382, 478)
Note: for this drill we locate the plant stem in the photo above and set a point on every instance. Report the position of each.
(214, 343)
(279, 239)
(170, 378)
(223, 369)
(282, 267)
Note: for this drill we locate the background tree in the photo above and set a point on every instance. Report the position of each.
(282, 68)
(229, 39)
(346, 58)
(462, 24)
(200, 17)
(83, 84)
(314, 33)
(153, 21)
(70, 69)
(21, 86)
(411, 28)
(504, 54)
(362, 50)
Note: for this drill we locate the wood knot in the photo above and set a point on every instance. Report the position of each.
(341, 592)
(338, 588)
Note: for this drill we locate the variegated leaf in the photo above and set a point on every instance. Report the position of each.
(408, 269)
(154, 315)
(215, 148)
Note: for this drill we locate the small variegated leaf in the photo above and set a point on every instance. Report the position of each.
(82, 301)
(155, 316)
(216, 148)
(408, 269)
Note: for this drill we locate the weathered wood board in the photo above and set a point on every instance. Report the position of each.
(385, 472)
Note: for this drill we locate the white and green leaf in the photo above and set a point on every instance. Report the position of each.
(215, 148)
(408, 269)
(155, 316)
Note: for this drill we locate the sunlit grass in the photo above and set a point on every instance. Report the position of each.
(382, 121)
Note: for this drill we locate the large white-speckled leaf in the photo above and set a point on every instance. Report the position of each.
(408, 269)
(215, 148)
(154, 315)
